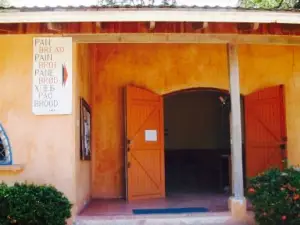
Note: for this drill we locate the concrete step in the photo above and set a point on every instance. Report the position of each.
(183, 219)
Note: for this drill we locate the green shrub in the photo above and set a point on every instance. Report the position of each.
(275, 197)
(29, 204)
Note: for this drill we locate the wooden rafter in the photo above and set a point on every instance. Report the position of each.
(98, 26)
(199, 25)
(151, 25)
(54, 27)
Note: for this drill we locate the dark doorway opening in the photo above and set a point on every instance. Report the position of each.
(197, 142)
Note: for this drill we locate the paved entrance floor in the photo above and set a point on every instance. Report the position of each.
(119, 212)
(213, 202)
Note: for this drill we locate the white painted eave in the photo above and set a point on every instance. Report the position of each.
(144, 15)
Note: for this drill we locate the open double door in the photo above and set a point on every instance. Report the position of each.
(265, 134)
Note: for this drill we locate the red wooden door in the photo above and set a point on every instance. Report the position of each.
(145, 168)
(265, 130)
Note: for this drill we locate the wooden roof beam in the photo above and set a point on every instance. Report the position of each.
(199, 25)
(187, 38)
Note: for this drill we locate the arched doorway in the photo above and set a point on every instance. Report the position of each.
(197, 141)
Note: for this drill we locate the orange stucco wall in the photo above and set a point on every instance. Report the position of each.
(47, 146)
(164, 68)
(83, 170)
(161, 68)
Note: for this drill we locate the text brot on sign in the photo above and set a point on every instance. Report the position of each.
(52, 76)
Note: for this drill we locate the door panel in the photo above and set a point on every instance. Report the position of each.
(145, 144)
(265, 130)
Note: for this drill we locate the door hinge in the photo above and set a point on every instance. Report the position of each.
(128, 145)
(282, 146)
(128, 165)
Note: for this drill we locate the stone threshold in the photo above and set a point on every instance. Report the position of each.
(166, 219)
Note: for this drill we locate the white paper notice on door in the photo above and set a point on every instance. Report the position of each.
(150, 135)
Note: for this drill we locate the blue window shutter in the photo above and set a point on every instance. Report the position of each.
(5, 150)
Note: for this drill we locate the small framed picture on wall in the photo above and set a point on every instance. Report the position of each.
(85, 130)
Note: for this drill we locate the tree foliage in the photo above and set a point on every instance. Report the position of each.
(136, 2)
(275, 197)
(4, 3)
(269, 4)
